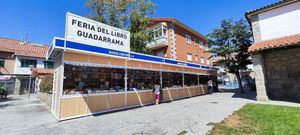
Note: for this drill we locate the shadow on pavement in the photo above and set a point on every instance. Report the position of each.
(247, 95)
(237, 94)
(2, 100)
(2, 106)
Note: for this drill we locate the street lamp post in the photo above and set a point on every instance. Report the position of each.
(29, 89)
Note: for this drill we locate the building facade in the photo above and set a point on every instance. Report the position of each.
(275, 52)
(175, 40)
(17, 59)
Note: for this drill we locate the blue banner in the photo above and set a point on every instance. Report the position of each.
(133, 55)
(146, 57)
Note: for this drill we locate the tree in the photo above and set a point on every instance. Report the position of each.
(47, 84)
(125, 14)
(232, 40)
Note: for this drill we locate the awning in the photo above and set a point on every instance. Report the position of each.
(87, 64)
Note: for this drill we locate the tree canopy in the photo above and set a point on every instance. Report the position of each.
(131, 15)
(232, 40)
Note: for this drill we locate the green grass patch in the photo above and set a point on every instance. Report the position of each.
(259, 119)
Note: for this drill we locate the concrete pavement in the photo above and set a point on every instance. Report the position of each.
(23, 116)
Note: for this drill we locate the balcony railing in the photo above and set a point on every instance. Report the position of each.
(159, 42)
(160, 38)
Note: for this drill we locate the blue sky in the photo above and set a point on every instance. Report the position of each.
(46, 19)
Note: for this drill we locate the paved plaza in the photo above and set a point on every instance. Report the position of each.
(22, 116)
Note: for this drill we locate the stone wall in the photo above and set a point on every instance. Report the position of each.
(282, 73)
(45, 98)
(260, 81)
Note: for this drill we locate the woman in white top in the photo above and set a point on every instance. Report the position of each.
(156, 92)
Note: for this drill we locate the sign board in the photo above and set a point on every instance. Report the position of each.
(4, 78)
(87, 31)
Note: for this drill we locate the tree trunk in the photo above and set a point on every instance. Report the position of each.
(239, 82)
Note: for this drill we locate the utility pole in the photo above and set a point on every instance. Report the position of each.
(29, 88)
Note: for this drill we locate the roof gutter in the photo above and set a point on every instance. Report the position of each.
(188, 28)
(175, 21)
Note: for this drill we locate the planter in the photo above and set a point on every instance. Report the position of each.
(45, 98)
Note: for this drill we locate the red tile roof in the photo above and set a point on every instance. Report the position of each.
(178, 23)
(276, 43)
(162, 19)
(23, 49)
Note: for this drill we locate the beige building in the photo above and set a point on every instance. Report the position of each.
(276, 51)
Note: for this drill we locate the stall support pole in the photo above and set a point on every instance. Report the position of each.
(182, 79)
(198, 80)
(125, 79)
(160, 73)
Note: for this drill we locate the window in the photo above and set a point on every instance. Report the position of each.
(28, 62)
(24, 83)
(190, 80)
(202, 59)
(201, 44)
(189, 57)
(195, 42)
(91, 80)
(2, 62)
(142, 79)
(188, 39)
(164, 31)
(48, 64)
(207, 48)
(196, 57)
(208, 61)
(158, 32)
(171, 79)
(160, 53)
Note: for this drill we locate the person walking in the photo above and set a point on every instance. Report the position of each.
(156, 92)
(210, 86)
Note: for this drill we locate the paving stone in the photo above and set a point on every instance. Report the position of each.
(29, 116)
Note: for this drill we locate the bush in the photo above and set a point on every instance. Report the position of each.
(2, 88)
(47, 84)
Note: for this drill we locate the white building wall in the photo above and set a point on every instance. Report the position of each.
(280, 22)
(25, 70)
